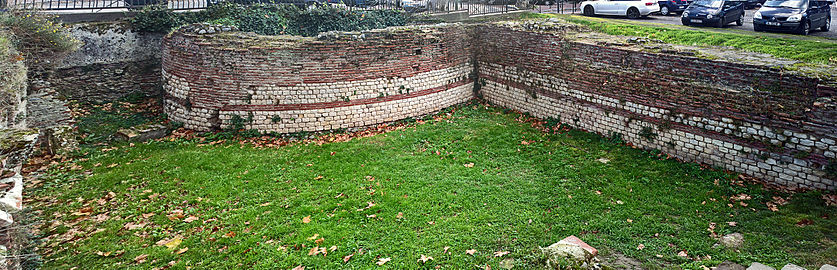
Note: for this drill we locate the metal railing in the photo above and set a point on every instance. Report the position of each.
(473, 7)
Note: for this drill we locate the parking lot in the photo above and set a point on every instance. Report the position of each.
(675, 20)
(748, 22)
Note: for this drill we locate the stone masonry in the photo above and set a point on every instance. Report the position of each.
(744, 116)
(292, 84)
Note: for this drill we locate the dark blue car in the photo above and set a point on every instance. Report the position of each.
(800, 16)
(717, 13)
(672, 6)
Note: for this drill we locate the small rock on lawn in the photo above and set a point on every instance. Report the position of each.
(728, 265)
(733, 240)
(758, 266)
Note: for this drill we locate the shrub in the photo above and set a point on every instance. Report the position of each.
(37, 36)
(270, 19)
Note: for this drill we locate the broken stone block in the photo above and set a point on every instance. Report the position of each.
(570, 248)
(142, 133)
(5, 219)
(728, 265)
(828, 267)
(791, 266)
(733, 240)
(758, 266)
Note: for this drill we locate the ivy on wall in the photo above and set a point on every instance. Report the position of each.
(270, 19)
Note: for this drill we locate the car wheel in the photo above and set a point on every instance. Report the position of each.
(664, 11)
(633, 13)
(588, 11)
(804, 28)
(740, 20)
(827, 25)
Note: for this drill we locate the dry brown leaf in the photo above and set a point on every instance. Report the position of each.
(190, 219)
(306, 219)
(182, 250)
(140, 258)
(348, 257)
(313, 237)
(640, 247)
(382, 261)
(400, 215)
(471, 251)
(424, 259)
(500, 253)
(300, 267)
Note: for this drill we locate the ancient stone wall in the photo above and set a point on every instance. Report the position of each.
(732, 111)
(113, 61)
(216, 79)
(776, 125)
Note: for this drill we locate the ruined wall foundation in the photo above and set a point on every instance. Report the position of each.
(745, 116)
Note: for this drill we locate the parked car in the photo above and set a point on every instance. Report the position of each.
(717, 13)
(631, 8)
(753, 3)
(672, 6)
(799, 16)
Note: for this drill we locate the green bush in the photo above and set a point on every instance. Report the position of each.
(271, 19)
(36, 35)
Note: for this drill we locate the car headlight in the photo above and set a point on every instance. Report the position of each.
(757, 15)
(709, 16)
(795, 18)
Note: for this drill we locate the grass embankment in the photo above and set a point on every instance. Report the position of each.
(479, 180)
(802, 50)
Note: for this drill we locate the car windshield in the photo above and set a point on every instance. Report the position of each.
(709, 3)
(796, 4)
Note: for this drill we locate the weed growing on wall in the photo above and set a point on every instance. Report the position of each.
(271, 19)
(38, 37)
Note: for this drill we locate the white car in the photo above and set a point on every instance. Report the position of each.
(631, 8)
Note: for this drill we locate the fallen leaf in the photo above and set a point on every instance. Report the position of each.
(300, 267)
(382, 261)
(424, 259)
(190, 219)
(732, 223)
(173, 243)
(400, 215)
(348, 257)
(313, 237)
(181, 251)
(471, 251)
(306, 219)
(500, 253)
(640, 247)
(683, 254)
(140, 258)
(469, 165)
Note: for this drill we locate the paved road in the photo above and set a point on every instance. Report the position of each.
(748, 22)
(747, 28)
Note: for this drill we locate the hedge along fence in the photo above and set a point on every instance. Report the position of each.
(271, 19)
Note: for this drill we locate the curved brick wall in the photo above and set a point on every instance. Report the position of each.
(291, 84)
(750, 118)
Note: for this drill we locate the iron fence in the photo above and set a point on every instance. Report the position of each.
(473, 7)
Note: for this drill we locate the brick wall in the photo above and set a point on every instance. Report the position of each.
(778, 126)
(214, 78)
(750, 118)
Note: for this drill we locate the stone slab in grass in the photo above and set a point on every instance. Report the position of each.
(142, 133)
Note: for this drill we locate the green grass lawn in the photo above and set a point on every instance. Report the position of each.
(478, 180)
(819, 51)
